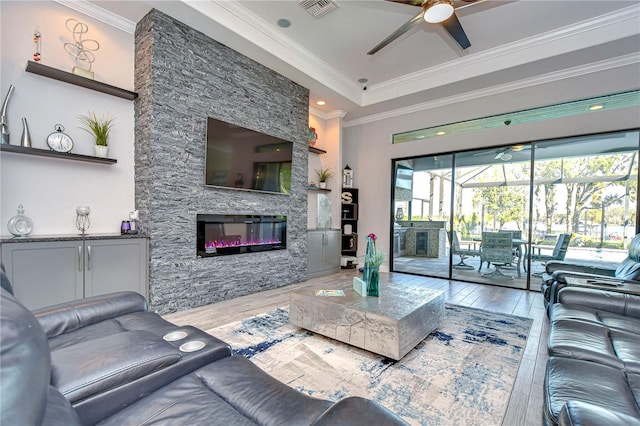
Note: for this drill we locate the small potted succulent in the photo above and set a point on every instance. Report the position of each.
(99, 128)
(324, 175)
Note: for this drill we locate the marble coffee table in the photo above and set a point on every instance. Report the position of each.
(389, 325)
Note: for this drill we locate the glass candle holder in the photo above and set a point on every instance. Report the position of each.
(82, 218)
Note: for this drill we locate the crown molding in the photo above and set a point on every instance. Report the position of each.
(253, 28)
(338, 113)
(100, 14)
(621, 61)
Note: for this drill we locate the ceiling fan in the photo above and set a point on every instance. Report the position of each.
(435, 12)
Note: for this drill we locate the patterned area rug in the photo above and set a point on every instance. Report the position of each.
(461, 374)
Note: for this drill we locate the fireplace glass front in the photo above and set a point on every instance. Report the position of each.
(222, 235)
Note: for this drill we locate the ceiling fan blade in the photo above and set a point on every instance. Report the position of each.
(397, 33)
(453, 27)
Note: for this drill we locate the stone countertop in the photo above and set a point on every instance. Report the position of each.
(67, 237)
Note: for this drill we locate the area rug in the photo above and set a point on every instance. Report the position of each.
(461, 374)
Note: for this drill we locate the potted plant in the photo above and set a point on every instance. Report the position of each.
(324, 175)
(99, 128)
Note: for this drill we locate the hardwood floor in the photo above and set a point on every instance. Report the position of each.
(525, 405)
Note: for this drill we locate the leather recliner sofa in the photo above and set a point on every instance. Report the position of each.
(103, 361)
(593, 372)
(556, 273)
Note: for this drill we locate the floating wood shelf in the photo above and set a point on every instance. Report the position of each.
(53, 154)
(315, 188)
(317, 150)
(67, 77)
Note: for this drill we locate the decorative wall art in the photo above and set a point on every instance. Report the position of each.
(81, 50)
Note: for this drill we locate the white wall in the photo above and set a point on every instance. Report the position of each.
(50, 189)
(329, 139)
(372, 173)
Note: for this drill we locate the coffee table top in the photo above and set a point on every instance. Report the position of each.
(395, 300)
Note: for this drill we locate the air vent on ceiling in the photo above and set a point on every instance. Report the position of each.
(318, 8)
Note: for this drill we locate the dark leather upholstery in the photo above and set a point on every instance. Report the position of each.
(556, 273)
(26, 398)
(575, 413)
(136, 377)
(593, 374)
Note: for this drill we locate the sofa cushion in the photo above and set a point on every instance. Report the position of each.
(148, 321)
(76, 314)
(230, 391)
(569, 379)
(576, 413)
(95, 366)
(609, 319)
(595, 342)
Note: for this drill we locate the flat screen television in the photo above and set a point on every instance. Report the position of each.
(245, 159)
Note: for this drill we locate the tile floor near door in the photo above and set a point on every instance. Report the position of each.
(525, 404)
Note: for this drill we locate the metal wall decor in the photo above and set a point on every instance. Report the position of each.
(4, 124)
(25, 140)
(81, 50)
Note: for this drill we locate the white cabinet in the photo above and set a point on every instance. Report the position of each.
(48, 272)
(323, 255)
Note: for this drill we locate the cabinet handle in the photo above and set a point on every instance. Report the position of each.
(89, 258)
(79, 258)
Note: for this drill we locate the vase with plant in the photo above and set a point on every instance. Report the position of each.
(324, 175)
(99, 128)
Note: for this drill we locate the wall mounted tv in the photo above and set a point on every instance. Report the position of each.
(244, 159)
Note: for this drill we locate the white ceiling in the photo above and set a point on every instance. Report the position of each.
(513, 44)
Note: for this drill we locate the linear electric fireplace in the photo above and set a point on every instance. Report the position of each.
(222, 235)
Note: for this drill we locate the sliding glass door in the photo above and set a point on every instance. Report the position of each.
(573, 199)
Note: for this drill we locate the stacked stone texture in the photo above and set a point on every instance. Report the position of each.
(182, 78)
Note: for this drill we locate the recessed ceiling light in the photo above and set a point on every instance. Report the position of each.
(284, 23)
(321, 103)
(440, 133)
(595, 107)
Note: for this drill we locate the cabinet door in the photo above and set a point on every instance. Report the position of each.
(332, 250)
(116, 265)
(315, 249)
(45, 273)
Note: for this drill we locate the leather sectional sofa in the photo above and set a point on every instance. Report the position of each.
(593, 372)
(107, 360)
(627, 273)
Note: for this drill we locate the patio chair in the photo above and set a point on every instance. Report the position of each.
(463, 253)
(559, 251)
(496, 249)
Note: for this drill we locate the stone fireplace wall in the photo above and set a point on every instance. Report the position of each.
(182, 77)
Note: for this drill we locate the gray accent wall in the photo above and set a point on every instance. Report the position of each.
(182, 77)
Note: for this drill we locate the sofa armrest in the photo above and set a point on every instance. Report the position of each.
(576, 413)
(355, 410)
(601, 300)
(554, 266)
(69, 316)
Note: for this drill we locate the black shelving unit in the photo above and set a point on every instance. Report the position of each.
(349, 216)
(16, 149)
(67, 77)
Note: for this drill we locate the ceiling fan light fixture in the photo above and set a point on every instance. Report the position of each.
(436, 11)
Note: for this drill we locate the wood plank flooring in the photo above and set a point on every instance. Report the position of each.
(525, 405)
